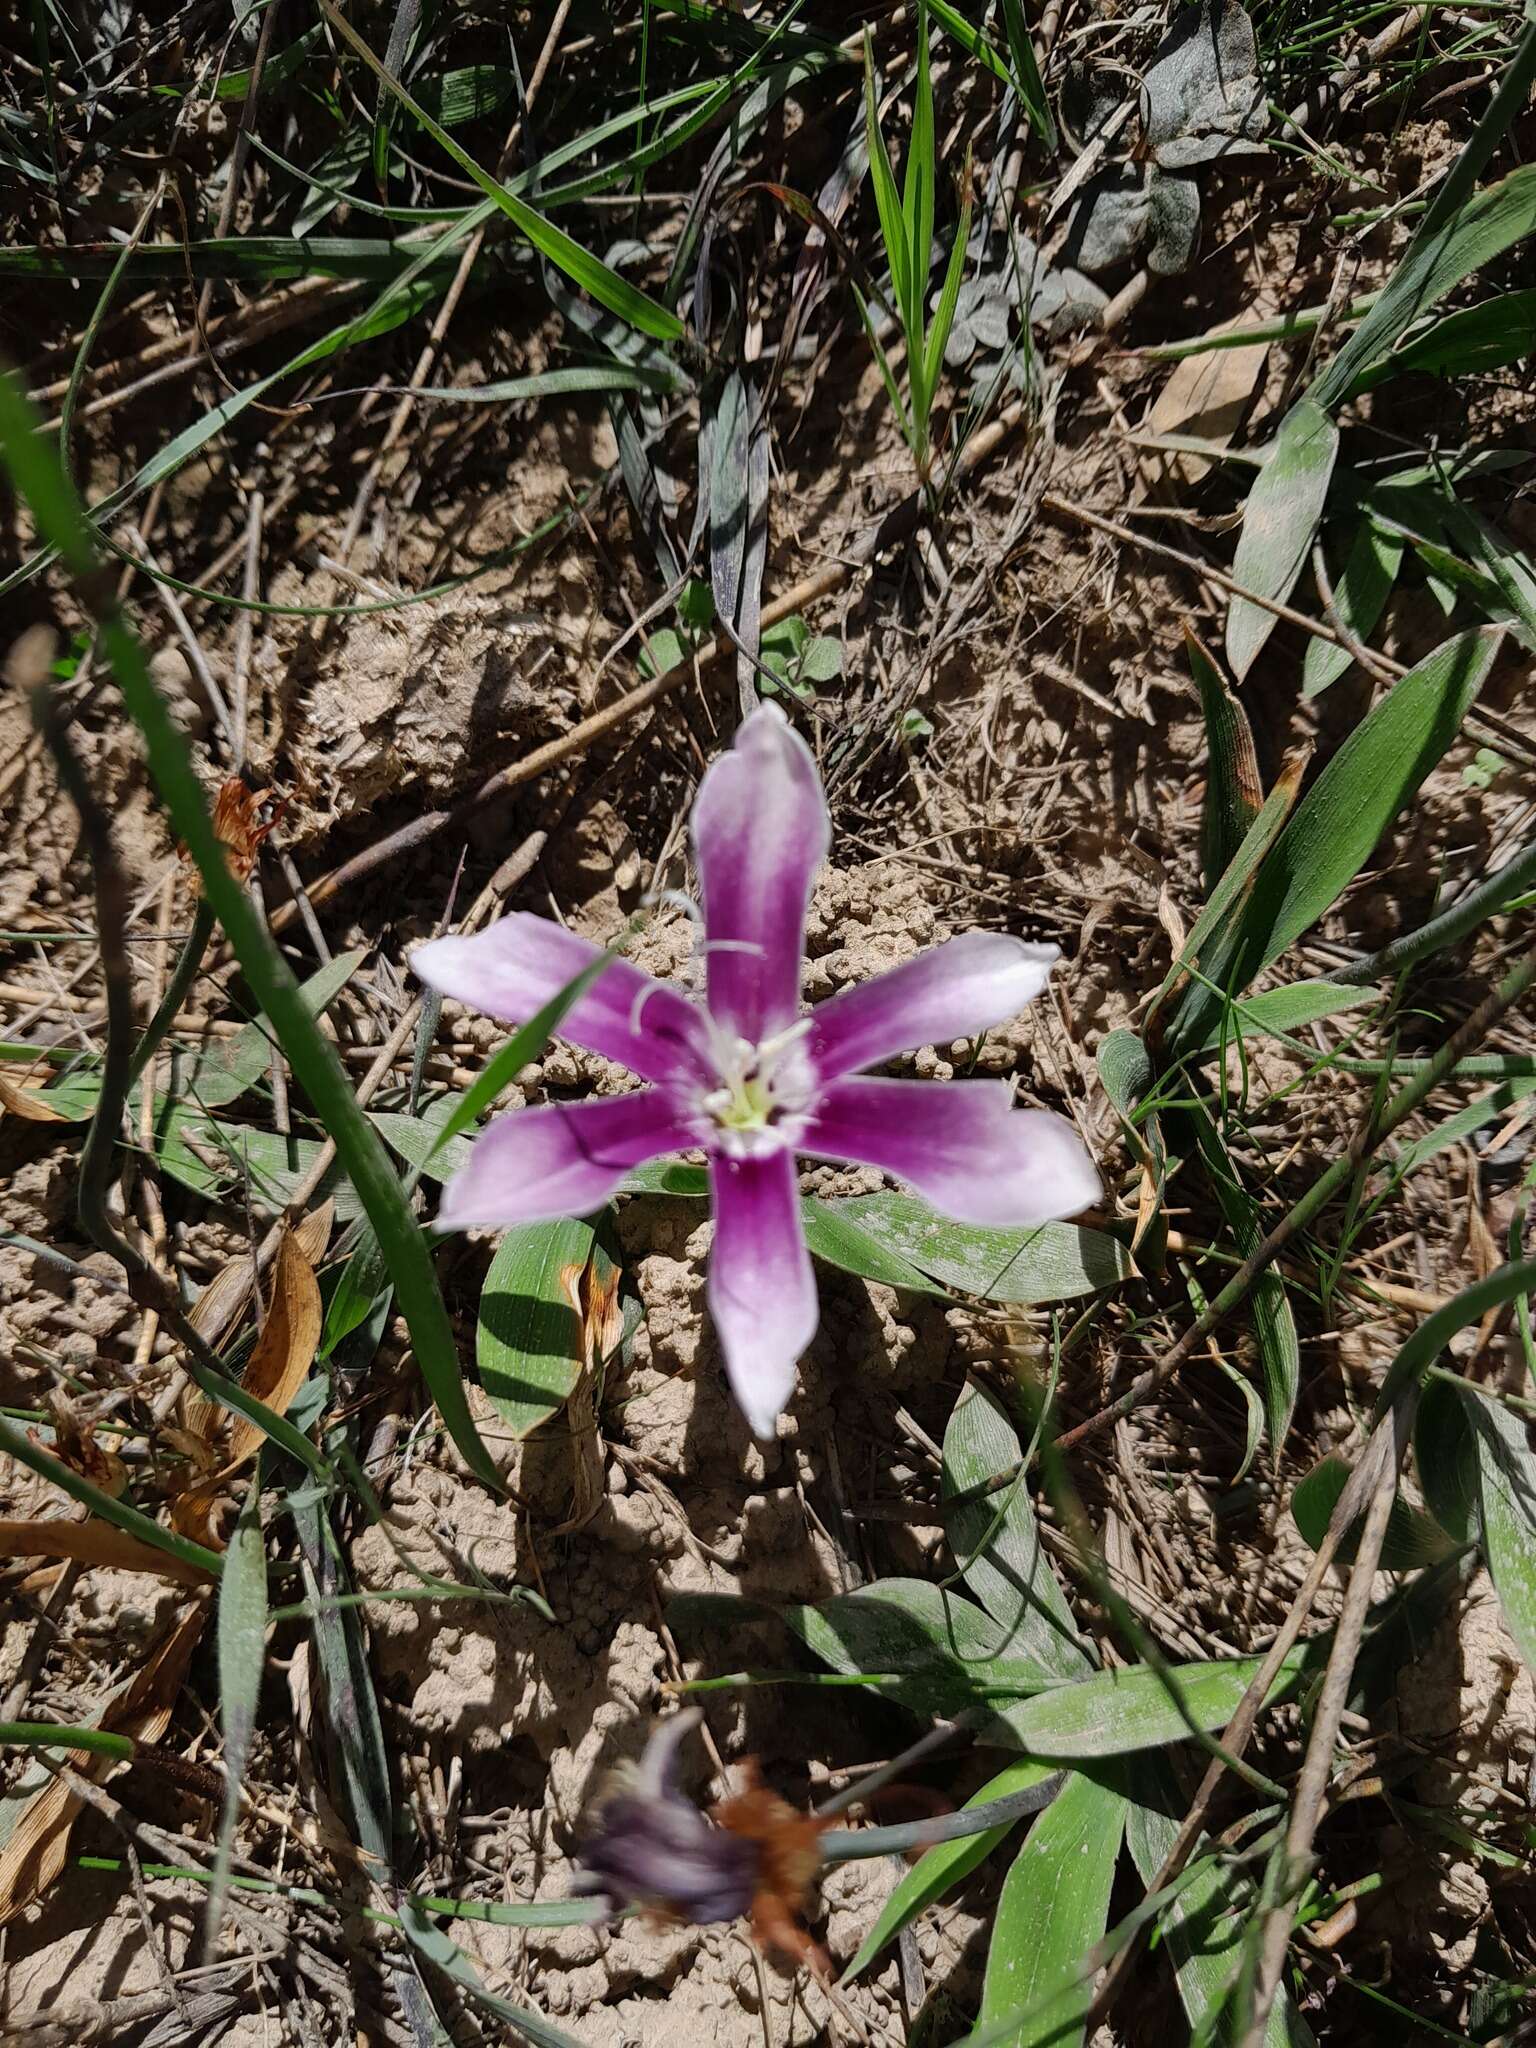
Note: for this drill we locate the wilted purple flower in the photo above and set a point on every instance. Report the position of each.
(749, 1078)
(652, 1847)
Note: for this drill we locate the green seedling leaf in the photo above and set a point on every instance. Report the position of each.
(1282, 1010)
(1055, 1262)
(1413, 1538)
(1234, 793)
(941, 1868)
(242, 1648)
(1506, 1499)
(667, 1177)
(528, 1337)
(1281, 516)
(1360, 596)
(1274, 1326)
(1053, 1910)
(1027, 81)
(1467, 343)
(996, 1541)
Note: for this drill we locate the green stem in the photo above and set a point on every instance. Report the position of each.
(1513, 879)
(177, 989)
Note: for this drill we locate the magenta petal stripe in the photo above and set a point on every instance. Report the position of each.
(762, 1293)
(514, 967)
(561, 1159)
(960, 1145)
(957, 990)
(760, 832)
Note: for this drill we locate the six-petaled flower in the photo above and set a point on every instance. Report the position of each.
(750, 1078)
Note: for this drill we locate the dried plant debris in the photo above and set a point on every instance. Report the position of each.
(1200, 100)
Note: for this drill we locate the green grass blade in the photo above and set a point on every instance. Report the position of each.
(949, 299)
(1027, 81)
(35, 469)
(917, 189)
(1360, 596)
(1506, 1492)
(579, 264)
(1234, 794)
(888, 203)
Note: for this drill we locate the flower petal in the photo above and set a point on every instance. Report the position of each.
(957, 990)
(561, 1159)
(960, 1146)
(514, 967)
(760, 832)
(762, 1293)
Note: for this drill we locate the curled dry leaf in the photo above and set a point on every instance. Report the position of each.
(74, 1444)
(275, 1371)
(242, 819)
(593, 1292)
(38, 1811)
(94, 1542)
(23, 1100)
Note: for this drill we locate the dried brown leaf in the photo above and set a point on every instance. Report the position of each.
(94, 1542)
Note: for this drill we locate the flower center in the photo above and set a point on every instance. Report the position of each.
(763, 1093)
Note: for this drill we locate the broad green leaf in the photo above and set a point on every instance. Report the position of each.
(1281, 516)
(1203, 1926)
(941, 1868)
(213, 1158)
(579, 264)
(468, 94)
(1053, 1910)
(242, 1648)
(1466, 343)
(1446, 1453)
(1274, 1326)
(528, 1338)
(838, 1238)
(1117, 1711)
(996, 1540)
(421, 1140)
(1338, 823)
(1462, 231)
(1413, 1538)
(666, 1177)
(1054, 1262)
(1423, 1348)
(364, 1285)
(1360, 594)
(1506, 1495)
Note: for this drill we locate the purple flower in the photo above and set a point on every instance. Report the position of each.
(652, 1847)
(748, 1077)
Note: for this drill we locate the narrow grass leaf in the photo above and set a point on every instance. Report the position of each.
(34, 466)
(1053, 1910)
(528, 1337)
(1279, 1011)
(524, 1046)
(1506, 1494)
(1026, 74)
(242, 1647)
(996, 1540)
(1279, 520)
(444, 1954)
(1423, 1348)
(888, 201)
(1467, 343)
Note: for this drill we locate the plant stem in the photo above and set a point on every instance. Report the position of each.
(185, 972)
